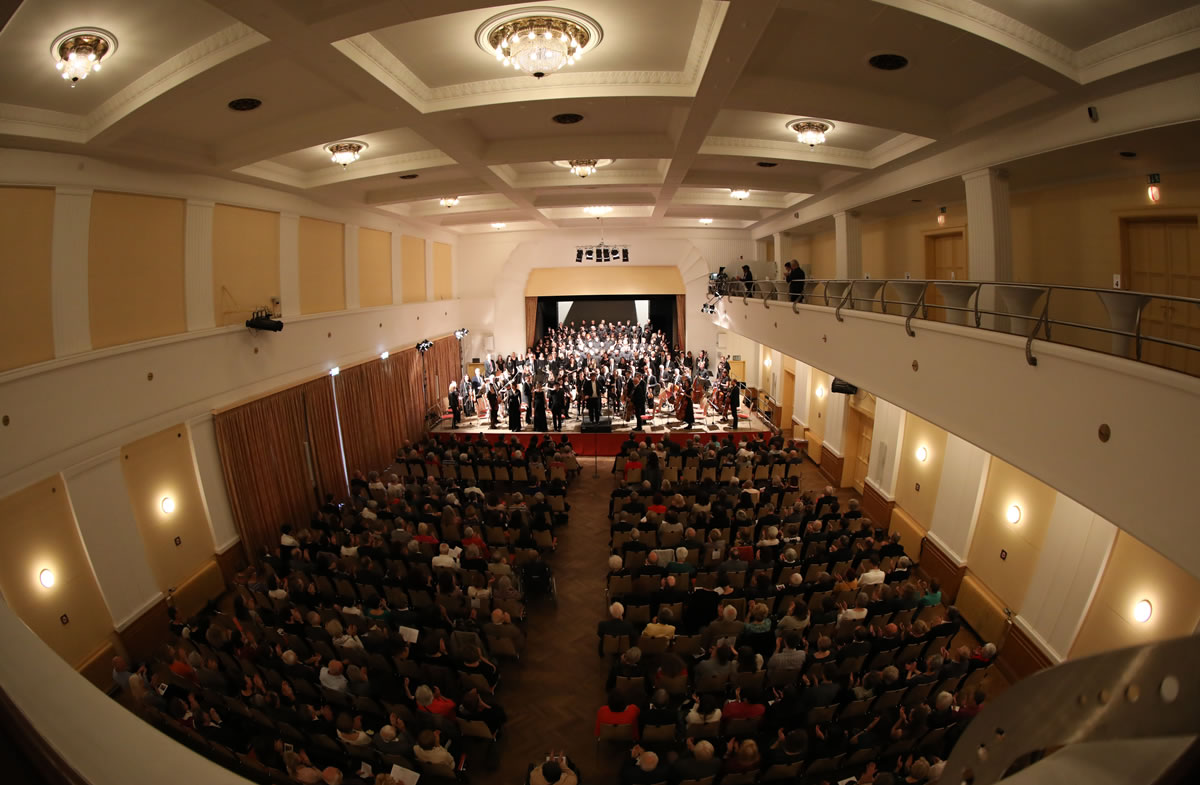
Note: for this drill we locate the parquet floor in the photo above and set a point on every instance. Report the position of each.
(552, 695)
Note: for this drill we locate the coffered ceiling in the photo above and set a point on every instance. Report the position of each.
(689, 98)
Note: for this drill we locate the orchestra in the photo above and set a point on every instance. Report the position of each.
(627, 370)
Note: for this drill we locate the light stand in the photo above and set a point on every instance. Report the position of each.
(423, 347)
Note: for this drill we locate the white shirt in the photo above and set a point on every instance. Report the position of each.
(444, 560)
(333, 682)
(854, 614)
(872, 577)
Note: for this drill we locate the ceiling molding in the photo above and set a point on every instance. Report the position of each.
(16, 120)
(788, 151)
(1163, 37)
(566, 180)
(332, 175)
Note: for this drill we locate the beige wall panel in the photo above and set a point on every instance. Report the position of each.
(895, 246)
(159, 466)
(553, 281)
(135, 268)
(39, 532)
(1022, 542)
(322, 266)
(245, 259)
(374, 268)
(817, 404)
(823, 255)
(412, 269)
(912, 471)
(443, 271)
(1136, 572)
(26, 323)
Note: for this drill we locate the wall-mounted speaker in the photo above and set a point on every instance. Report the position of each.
(489, 343)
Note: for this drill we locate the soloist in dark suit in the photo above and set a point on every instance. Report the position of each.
(493, 406)
(514, 410)
(639, 403)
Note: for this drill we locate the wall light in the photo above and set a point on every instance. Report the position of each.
(922, 453)
(46, 578)
(1153, 192)
(767, 361)
(334, 371)
(1013, 515)
(1143, 611)
(167, 504)
(941, 216)
(383, 355)
(820, 391)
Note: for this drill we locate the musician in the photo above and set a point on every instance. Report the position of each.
(592, 390)
(526, 397)
(735, 396)
(558, 404)
(493, 401)
(455, 405)
(514, 408)
(489, 367)
(539, 410)
(684, 409)
(638, 398)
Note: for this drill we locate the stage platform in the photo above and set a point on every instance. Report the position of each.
(659, 427)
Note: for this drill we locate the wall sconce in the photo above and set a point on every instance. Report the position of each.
(46, 578)
(941, 216)
(820, 391)
(922, 453)
(1013, 515)
(1153, 191)
(1143, 611)
(767, 361)
(168, 505)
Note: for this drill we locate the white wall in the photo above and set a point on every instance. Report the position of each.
(800, 394)
(886, 438)
(1068, 570)
(964, 475)
(212, 482)
(978, 385)
(835, 423)
(111, 536)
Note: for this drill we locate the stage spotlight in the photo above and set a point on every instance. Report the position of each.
(261, 320)
(590, 255)
(578, 256)
(624, 254)
(424, 346)
(461, 333)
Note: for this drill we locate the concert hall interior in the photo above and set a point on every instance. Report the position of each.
(634, 391)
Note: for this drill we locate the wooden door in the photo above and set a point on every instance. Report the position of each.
(737, 370)
(786, 400)
(945, 260)
(1162, 256)
(866, 429)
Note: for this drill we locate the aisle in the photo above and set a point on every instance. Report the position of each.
(551, 697)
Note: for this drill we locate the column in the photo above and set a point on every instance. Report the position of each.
(350, 264)
(960, 492)
(198, 266)
(989, 235)
(428, 270)
(886, 438)
(848, 244)
(800, 399)
(783, 252)
(69, 271)
(397, 268)
(289, 264)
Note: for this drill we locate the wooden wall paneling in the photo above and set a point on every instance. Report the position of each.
(831, 467)
(911, 532)
(1020, 656)
(936, 564)
(142, 636)
(231, 561)
(981, 609)
(875, 507)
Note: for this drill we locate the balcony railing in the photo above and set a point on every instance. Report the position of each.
(1158, 329)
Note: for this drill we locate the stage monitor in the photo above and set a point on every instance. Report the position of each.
(842, 386)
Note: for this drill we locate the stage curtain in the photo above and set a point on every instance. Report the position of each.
(262, 457)
(392, 409)
(530, 320)
(441, 363)
(324, 444)
(405, 385)
(361, 440)
(681, 321)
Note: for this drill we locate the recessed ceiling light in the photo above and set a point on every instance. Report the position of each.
(767, 164)
(888, 62)
(567, 118)
(916, 201)
(706, 221)
(1127, 154)
(244, 104)
(409, 176)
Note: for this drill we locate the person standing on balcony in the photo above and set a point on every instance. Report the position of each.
(795, 279)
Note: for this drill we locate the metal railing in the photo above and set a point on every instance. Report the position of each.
(1017, 308)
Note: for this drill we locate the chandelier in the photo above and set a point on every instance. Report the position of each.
(739, 193)
(583, 167)
(345, 153)
(809, 131)
(79, 52)
(598, 210)
(538, 41)
(448, 201)
(499, 225)
(706, 221)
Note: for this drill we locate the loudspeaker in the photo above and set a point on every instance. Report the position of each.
(604, 426)
(842, 386)
(1093, 114)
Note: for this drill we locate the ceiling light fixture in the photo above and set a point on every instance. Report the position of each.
(1143, 611)
(810, 131)
(538, 41)
(1013, 515)
(345, 153)
(79, 52)
(46, 578)
(583, 167)
(598, 210)
(244, 104)
(499, 225)
(448, 201)
(739, 193)
(706, 221)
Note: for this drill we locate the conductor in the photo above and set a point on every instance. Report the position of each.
(455, 405)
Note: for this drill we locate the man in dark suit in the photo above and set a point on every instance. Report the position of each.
(591, 394)
(489, 367)
(493, 406)
(735, 395)
(639, 400)
(557, 405)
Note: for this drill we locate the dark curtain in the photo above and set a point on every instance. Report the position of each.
(266, 470)
(325, 446)
(530, 321)
(441, 363)
(680, 321)
(361, 438)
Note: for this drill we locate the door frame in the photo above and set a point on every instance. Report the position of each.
(929, 235)
(1147, 215)
(787, 401)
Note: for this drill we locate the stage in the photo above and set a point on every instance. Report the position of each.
(655, 428)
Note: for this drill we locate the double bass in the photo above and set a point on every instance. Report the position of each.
(681, 404)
